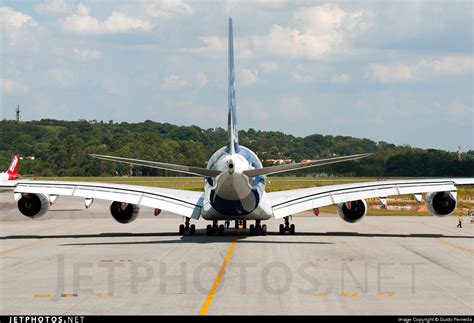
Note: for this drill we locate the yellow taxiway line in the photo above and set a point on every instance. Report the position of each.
(449, 243)
(212, 292)
(19, 247)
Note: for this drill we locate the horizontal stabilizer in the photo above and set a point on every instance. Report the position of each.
(291, 167)
(199, 171)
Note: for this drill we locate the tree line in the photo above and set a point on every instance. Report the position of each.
(61, 148)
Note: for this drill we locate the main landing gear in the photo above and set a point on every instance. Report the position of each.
(183, 228)
(258, 229)
(215, 228)
(219, 229)
(287, 227)
(254, 230)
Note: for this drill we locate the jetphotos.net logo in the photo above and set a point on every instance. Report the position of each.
(46, 319)
(110, 278)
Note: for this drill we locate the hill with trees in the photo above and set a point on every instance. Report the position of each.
(61, 148)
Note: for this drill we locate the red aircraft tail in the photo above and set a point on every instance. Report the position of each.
(13, 168)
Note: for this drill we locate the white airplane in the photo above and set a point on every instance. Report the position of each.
(234, 189)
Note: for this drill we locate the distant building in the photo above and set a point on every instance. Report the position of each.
(279, 161)
(309, 160)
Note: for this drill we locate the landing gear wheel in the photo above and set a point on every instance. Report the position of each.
(292, 229)
(244, 226)
(287, 227)
(237, 224)
(252, 229)
(209, 230)
(264, 230)
(221, 229)
(183, 228)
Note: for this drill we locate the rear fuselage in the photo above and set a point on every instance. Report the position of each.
(233, 195)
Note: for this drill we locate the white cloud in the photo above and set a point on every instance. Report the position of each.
(14, 20)
(329, 20)
(12, 86)
(340, 78)
(16, 27)
(422, 69)
(313, 33)
(172, 82)
(169, 8)
(269, 67)
(82, 23)
(293, 43)
(53, 7)
(247, 77)
(317, 32)
(85, 54)
(201, 79)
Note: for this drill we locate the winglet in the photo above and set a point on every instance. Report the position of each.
(232, 117)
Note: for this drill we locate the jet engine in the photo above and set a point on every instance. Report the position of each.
(352, 211)
(124, 212)
(33, 205)
(441, 203)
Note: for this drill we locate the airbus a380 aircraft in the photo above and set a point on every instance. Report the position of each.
(234, 189)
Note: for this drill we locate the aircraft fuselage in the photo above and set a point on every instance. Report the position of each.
(233, 195)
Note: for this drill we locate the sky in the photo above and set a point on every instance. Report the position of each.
(394, 71)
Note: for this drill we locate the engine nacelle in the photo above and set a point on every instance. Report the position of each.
(441, 203)
(354, 213)
(124, 212)
(33, 205)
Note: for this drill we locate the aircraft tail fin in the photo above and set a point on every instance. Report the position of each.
(13, 168)
(232, 117)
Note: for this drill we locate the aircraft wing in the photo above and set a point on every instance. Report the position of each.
(292, 167)
(285, 203)
(182, 202)
(199, 171)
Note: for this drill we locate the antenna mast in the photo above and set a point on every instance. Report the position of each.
(18, 113)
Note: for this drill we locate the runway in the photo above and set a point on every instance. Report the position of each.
(78, 261)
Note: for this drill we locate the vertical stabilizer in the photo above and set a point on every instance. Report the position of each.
(13, 168)
(232, 118)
